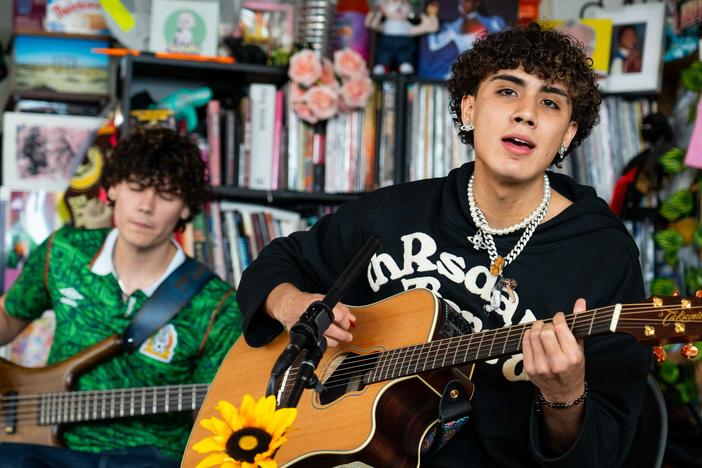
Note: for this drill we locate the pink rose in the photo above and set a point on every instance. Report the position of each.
(323, 101)
(303, 111)
(297, 93)
(349, 64)
(328, 76)
(305, 68)
(356, 92)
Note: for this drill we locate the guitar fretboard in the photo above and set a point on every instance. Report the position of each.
(81, 406)
(488, 344)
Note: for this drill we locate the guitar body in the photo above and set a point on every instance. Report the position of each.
(21, 421)
(381, 424)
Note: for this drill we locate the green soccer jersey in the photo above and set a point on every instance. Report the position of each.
(90, 307)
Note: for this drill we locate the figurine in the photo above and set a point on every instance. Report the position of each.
(393, 19)
(183, 104)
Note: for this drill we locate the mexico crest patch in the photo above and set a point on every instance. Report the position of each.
(161, 345)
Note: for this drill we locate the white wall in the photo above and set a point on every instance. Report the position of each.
(570, 9)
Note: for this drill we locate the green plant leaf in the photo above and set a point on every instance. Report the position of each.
(673, 160)
(678, 205)
(663, 287)
(691, 77)
(669, 372)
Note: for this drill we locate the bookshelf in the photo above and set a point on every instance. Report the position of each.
(283, 197)
(161, 76)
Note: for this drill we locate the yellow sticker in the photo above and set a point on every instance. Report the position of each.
(119, 13)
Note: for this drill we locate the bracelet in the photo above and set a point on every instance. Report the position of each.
(541, 401)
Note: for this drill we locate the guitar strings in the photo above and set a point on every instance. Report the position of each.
(459, 344)
(369, 362)
(362, 363)
(76, 406)
(82, 396)
(111, 392)
(62, 415)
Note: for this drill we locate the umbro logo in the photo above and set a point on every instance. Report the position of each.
(70, 296)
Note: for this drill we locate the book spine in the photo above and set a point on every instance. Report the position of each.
(258, 233)
(245, 147)
(230, 147)
(277, 139)
(200, 250)
(262, 131)
(235, 257)
(214, 142)
(216, 240)
(244, 240)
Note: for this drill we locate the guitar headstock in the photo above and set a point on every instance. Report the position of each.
(663, 319)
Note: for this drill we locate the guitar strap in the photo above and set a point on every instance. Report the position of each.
(455, 406)
(170, 296)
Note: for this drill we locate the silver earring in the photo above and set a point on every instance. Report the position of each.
(467, 126)
(561, 156)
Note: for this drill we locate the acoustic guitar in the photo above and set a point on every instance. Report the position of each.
(398, 361)
(34, 402)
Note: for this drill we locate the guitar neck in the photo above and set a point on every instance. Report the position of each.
(84, 406)
(480, 346)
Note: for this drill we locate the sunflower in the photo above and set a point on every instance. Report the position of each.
(248, 437)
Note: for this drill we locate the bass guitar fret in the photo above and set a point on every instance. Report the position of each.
(94, 405)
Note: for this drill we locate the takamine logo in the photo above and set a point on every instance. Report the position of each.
(672, 317)
(62, 11)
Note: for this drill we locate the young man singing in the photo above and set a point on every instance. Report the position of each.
(504, 241)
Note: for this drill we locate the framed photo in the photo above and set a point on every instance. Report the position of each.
(636, 52)
(457, 32)
(184, 27)
(687, 13)
(594, 34)
(268, 25)
(42, 151)
(61, 65)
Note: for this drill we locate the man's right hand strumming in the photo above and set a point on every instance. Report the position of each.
(286, 304)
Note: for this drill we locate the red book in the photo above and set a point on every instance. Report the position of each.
(277, 139)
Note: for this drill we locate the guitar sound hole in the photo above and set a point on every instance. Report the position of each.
(351, 375)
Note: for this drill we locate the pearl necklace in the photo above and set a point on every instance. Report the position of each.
(481, 222)
(483, 239)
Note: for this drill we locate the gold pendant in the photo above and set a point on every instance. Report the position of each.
(497, 265)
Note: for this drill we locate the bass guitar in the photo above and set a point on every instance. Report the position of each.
(393, 374)
(34, 402)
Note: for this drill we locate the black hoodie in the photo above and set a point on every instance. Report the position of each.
(585, 251)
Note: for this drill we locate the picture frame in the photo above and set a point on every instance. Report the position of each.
(43, 150)
(438, 51)
(686, 13)
(184, 27)
(636, 52)
(595, 34)
(61, 64)
(268, 25)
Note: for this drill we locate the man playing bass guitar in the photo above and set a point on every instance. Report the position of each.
(97, 280)
(504, 241)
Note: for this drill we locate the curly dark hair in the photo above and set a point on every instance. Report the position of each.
(164, 159)
(547, 53)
